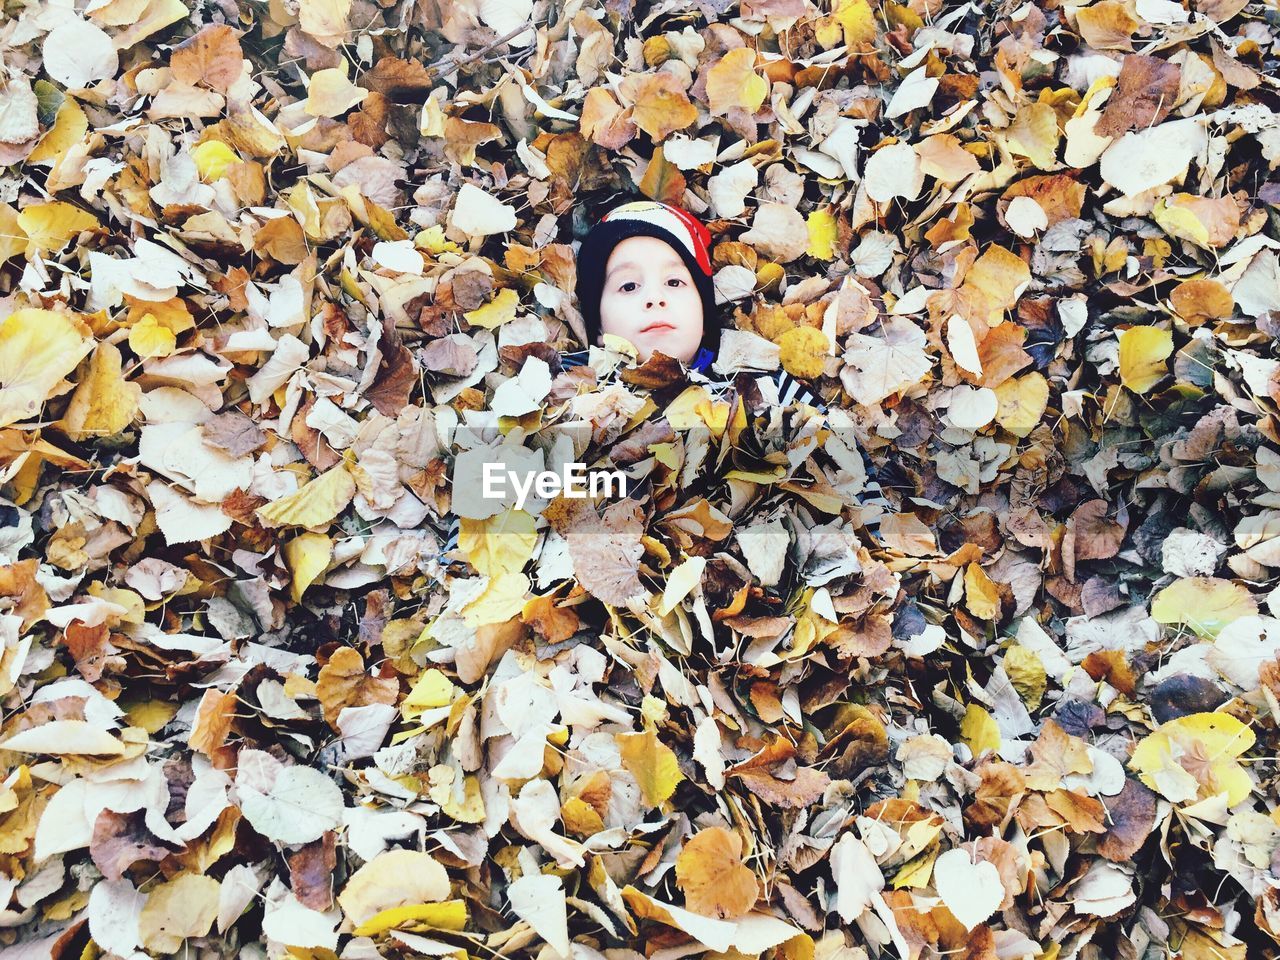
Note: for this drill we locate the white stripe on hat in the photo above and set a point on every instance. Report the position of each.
(647, 211)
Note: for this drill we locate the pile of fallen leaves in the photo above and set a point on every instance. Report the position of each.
(272, 272)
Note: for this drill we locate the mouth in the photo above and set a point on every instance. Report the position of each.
(660, 325)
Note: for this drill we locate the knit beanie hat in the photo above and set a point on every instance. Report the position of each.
(683, 232)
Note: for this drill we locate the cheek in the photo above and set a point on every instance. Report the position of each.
(612, 313)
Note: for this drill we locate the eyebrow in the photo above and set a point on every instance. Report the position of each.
(670, 261)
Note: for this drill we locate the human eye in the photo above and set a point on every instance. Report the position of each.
(675, 282)
(628, 286)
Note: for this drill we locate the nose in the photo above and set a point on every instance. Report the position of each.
(655, 300)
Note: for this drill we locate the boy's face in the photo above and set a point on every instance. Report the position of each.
(649, 298)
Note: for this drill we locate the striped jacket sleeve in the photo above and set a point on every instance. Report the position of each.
(791, 390)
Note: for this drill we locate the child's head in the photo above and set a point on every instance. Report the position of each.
(644, 273)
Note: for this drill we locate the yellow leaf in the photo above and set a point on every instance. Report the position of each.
(155, 325)
(449, 915)
(502, 600)
(331, 93)
(822, 234)
(431, 690)
(1143, 351)
(682, 412)
(306, 556)
(150, 338)
(580, 818)
(659, 104)
(496, 312)
(1107, 25)
(104, 402)
(433, 239)
(652, 763)
(49, 226)
(37, 349)
(156, 15)
(857, 21)
(1205, 604)
(184, 907)
(325, 20)
(134, 606)
(315, 505)
(981, 595)
(683, 580)
(1026, 673)
(460, 800)
(1194, 757)
(149, 714)
(733, 84)
(916, 872)
(1021, 403)
(803, 351)
(212, 159)
(978, 729)
(1180, 222)
(715, 414)
(715, 881)
(499, 544)
(393, 878)
(13, 240)
(117, 13)
(69, 128)
(1034, 134)
(996, 280)
(432, 119)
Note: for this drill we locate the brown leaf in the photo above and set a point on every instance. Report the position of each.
(233, 432)
(18, 585)
(212, 57)
(122, 839)
(1091, 535)
(715, 881)
(92, 650)
(400, 81)
(996, 798)
(281, 239)
(213, 721)
(310, 441)
(1145, 92)
(804, 788)
(656, 372)
(1055, 754)
(453, 357)
(311, 871)
(343, 682)
(1131, 816)
(397, 376)
(662, 179)
(659, 104)
(552, 622)
(606, 553)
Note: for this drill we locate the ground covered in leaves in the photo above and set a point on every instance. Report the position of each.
(270, 270)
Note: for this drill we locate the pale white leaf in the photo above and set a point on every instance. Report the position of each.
(479, 214)
(538, 899)
(915, 91)
(972, 891)
(78, 53)
(894, 172)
